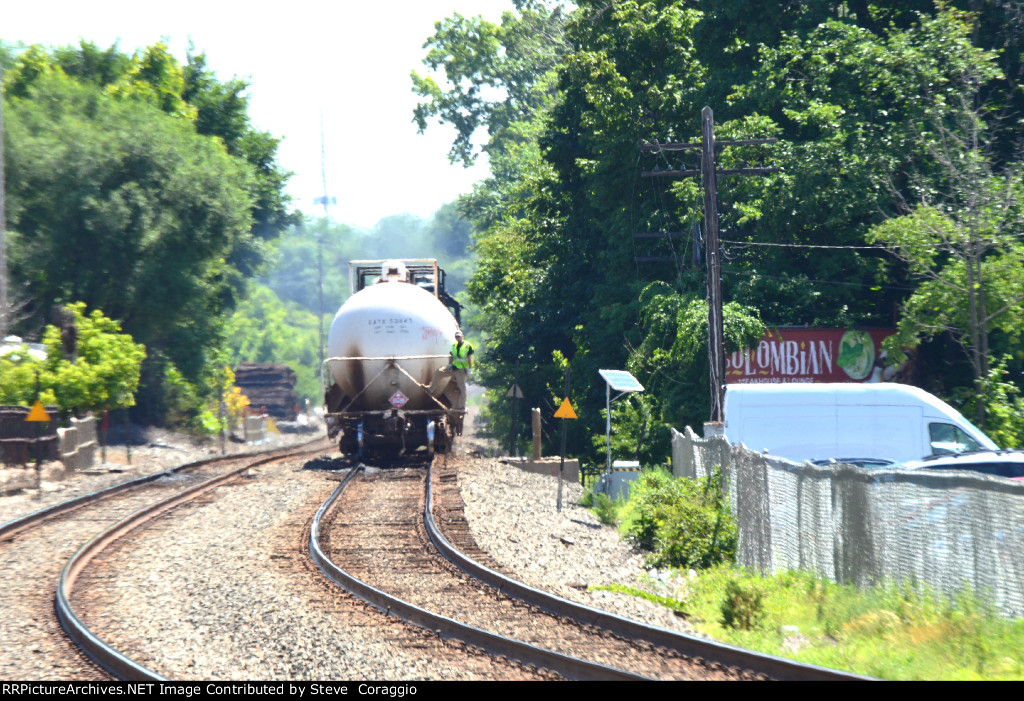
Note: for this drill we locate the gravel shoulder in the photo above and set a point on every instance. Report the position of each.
(513, 516)
(154, 450)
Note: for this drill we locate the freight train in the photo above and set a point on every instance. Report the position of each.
(388, 383)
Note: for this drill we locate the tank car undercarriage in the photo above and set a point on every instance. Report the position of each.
(395, 431)
(392, 429)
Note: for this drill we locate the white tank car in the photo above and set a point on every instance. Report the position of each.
(389, 319)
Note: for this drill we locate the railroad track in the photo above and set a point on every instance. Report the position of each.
(158, 597)
(34, 548)
(379, 538)
(268, 615)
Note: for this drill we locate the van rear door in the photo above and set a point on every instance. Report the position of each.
(880, 431)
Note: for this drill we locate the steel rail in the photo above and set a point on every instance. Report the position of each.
(776, 667)
(22, 522)
(445, 627)
(103, 654)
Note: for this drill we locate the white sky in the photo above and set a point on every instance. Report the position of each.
(349, 61)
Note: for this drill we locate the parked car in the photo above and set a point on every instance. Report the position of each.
(998, 463)
(859, 462)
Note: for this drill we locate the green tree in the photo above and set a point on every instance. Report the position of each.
(962, 239)
(264, 329)
(116, 203)
(222, 111)
(849, 89)
(673, 355)
(493, 74)
(103, 373)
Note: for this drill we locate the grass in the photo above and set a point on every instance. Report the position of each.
(887, 631)
(666, 601)
(891, 632)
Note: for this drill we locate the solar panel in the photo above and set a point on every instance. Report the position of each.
(621, 381)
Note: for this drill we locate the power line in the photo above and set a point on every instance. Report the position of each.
(805, 245)
(727, 271)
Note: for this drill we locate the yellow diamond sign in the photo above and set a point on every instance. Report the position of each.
(565, 411)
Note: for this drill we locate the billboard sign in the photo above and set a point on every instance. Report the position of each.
(811, 355)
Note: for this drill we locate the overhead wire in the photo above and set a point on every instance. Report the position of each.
(820, 282)
(802, 245)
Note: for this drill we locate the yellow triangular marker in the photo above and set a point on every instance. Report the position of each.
(565, 411)
(37, 413)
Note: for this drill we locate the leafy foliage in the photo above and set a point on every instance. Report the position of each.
(1004, 406)
(852, 91)
(961, 239)
(674, 350)
(684, 523)
(743, 605)
(103, 374)
(266, 329)
(140, 187)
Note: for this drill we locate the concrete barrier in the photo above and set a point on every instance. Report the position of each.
(78, 444)
(255, 429)
(548, 466)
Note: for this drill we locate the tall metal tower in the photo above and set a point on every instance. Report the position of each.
(326, 201)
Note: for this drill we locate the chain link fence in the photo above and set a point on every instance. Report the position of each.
(948, 531)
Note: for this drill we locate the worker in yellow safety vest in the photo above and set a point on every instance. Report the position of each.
(461, 360)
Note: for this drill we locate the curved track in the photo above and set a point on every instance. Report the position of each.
(374, 544)
(704, 652)
(33, 549)
(563, 639)
(383, 551)
(155, 593)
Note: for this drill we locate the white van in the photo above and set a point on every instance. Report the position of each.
(803, 421)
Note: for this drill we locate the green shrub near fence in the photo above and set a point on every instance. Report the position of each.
(682, 522)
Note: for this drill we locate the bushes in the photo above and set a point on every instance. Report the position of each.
(102, 374)
(743, 605)
(684, 523)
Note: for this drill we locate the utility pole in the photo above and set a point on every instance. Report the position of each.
(709, 172)
(4, 320)
(716, 331)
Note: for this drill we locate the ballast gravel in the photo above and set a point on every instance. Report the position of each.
(514, 518)
(189, 606)
(223, 592)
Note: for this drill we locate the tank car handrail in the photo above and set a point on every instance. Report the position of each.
(425, 388)
(323, 365)
(385, 357)
(391, 363)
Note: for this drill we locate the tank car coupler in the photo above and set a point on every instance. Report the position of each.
(394, 425)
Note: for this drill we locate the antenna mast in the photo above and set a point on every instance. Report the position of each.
(326, 202)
